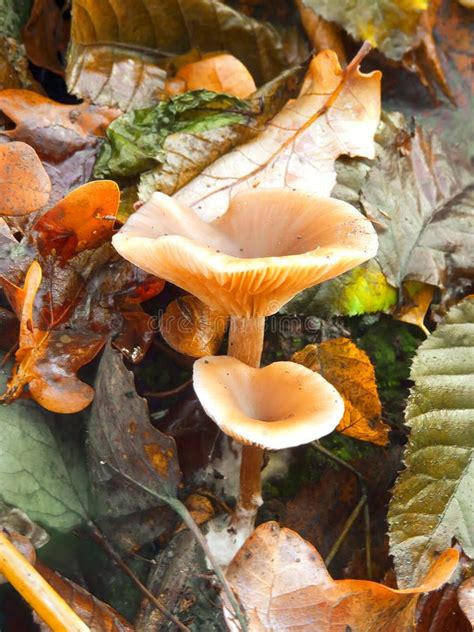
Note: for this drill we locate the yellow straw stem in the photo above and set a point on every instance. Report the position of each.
(45, 601)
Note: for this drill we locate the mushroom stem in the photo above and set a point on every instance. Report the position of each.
(246, 344)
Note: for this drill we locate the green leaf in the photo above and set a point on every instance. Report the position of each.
(134, 140)
(41, 473)
(432, 499)
(389, 25)
(362, 290)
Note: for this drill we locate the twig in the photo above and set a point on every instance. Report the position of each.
(171, 391)
(100, 538)
(362, 504)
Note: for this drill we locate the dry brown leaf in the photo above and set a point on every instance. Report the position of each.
(337, 113)
(466, 599)
(192, 328)
(417, 300)
(24, 184)
(46, 34)
(349, 369)
(322, 34)
(219, 73)
(283, 585)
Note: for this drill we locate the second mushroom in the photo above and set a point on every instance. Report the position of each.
(270, 245)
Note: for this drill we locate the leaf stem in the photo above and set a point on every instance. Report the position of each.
(45, 601)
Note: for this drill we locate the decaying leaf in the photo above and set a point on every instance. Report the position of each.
(46, 35)
(41, 473)
(390, 25)
(466, 599)
(337, 113)
(14, 519)
(24, 184)
(178, 26)
(65, 137)
(132, 464)
(349, 369)
(97, 615)
(283, 585)
(363, 290)
(192, 328)
(219, 73)
(417, 300)
(185, 154)
(431, 500)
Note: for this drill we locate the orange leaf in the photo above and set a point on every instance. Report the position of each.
(416, 302)
(349, 369)
(219, 73)
(192, 328)
(24, 184)
(283, 585)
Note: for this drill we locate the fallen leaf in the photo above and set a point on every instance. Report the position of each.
(349, 369)
(431, 500)
(96, 614)
(41, 472)
(46, 35)
(185, 154)
(200, 508)
(132, 464)
(219, 73)
(24, 184)
(390, 25)
(418, 297)
(179, 27)
(322, 34)
(14, 519)
(192, 328)
(466, 599)
(14, 70)
(65, 137)
(337, 113)
(282, 583)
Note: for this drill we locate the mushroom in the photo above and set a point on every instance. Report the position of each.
(268, 246)
(279, 406)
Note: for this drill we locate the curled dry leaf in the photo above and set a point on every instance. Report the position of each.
(192, 328)
(349, 369)
(97, 615)
(283, 585)
(65, 137)
(219, 73)
(416, 302)
(24, 184)
(46, 34)
(336, 113)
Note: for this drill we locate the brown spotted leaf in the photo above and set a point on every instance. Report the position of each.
(282, 583)
(349, 369)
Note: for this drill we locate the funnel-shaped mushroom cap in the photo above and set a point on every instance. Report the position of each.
(280, 406)
(267, 247)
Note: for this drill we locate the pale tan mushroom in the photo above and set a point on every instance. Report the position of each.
(267, 247)
(279, 406)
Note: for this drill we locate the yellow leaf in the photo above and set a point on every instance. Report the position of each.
(417, 299)
(349, 369)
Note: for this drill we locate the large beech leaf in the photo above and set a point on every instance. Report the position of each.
(390, 25)
(337, 113)
(65, 137)
(283, 585)
(24, 184)
(432, 499)
(41, 472)
(349, 369)
(174, 27)
(133, 466)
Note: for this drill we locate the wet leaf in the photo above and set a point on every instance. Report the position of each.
(349, 369)
(46, 35)
(97, 615)
(24, 184)
(337, 113)
(132, 464)
(192, 328)
(41, 472)
(417, 301)
(466, 599)
(135, 140)
(283, 584)
(14, 519)
(431, 499)
(65, 137)
(219, 73)
(389, 25)
(176, 28)
(363, 290)
(185, 154)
